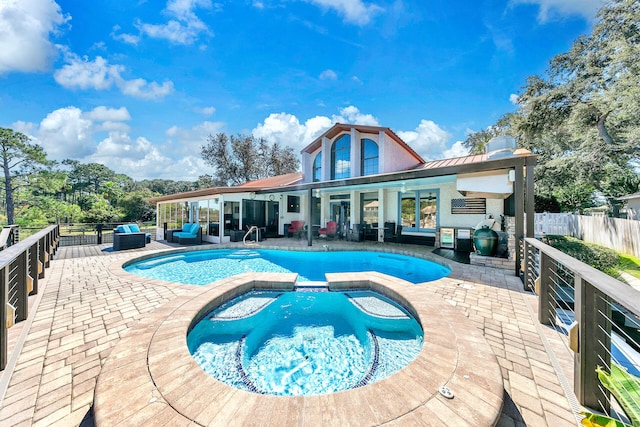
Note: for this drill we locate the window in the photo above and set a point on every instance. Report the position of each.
(408, 210)
(341, 158)
(293, 204)
(369, 157)
(317, 168)
(369, 212)
(419, 210)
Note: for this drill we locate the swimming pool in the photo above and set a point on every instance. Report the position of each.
(305, 343)
(203, 267)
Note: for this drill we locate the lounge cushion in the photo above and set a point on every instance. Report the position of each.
(134, 228)
(123, 229)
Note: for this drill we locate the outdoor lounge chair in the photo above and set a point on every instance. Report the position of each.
(330, 230)
(191, 233)
(125, 238)
(295, 228)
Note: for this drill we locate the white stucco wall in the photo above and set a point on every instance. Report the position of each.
(395, 158)
(448, 191)
(633, 209)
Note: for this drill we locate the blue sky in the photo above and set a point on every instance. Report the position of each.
(139, 85)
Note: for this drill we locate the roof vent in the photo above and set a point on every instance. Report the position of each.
(500, 146)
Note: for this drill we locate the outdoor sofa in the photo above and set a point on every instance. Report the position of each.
(190, 233)
(129, 236)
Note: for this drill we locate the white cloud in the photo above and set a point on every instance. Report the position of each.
(65, 133)
(142, 159)
(328, 75)
(353, 11)
(205, 111)
(191, 140)
(126, 38)
(258, 4)
(81, 73)
(457, 150)
(286, 130)
(184, 28)
(71, 133)
(25, 27)
(429, 140)
(513, 98)
(102, 113)
(68, 132)
(140, 88)
(353, 115)
(558, 9)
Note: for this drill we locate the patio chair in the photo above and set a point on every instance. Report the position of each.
(190, 234)
(330, 230)
(125, 238)
(295, 228)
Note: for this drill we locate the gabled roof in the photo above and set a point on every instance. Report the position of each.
(338, 128)
(257, 185)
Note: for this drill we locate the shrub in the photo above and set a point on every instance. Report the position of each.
(599, 257)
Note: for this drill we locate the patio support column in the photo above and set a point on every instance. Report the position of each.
(519, 195)
(354, 199)
(309, 209)
(381, 215)
(529, 203)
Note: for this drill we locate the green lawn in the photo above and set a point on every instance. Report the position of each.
(630, 264)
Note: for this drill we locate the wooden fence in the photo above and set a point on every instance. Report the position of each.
(622, 235)
(21, 265)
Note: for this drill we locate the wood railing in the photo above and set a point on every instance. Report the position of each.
(21, 266)
(599, 315)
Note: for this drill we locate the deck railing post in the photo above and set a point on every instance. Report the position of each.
(47, 249)
(32, 268)
(547, 292)
(22, 305)
(592, 312)
(526, 260)
(41, 251)
(4, 300)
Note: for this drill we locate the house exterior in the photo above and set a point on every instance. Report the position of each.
(633, 205)
(366, 177)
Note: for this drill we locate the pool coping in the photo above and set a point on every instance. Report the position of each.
(150, 377)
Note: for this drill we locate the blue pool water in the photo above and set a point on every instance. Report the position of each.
(305, 343)
(202, 267)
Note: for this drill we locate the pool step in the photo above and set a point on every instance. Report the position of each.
(311, 287)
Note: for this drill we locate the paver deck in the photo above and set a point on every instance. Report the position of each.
(85, 309)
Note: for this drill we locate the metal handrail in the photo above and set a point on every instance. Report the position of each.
(21, 266)
(582, 302)
(253, 227)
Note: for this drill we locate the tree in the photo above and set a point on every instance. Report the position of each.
(240, 159)
(20, 158)
(89, 177)
(476, 142)
(207, 181)
(136, 207)
(583, 117)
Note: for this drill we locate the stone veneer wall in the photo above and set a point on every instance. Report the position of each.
(495, 262)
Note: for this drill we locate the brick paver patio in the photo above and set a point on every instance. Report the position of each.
(85, 309)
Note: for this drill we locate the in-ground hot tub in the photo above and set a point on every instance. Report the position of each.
(150, 376)
(305, 343)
